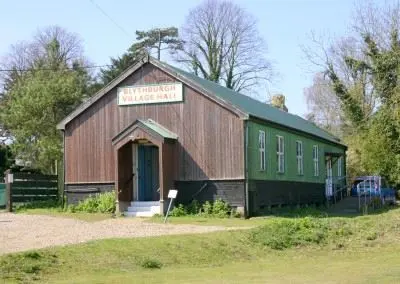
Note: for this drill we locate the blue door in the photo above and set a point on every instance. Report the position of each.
(148, 173)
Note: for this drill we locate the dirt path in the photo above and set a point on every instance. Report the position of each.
(19, 232)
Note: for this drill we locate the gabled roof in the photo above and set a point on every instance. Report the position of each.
(259, 109)
(244, 106)
(149, 126)
(158, 128)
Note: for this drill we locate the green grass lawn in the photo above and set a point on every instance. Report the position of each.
(57, 212)
(281, 250)
(207, 221)
(374, 266)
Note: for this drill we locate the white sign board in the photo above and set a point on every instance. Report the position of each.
(10, 178)
(150, 94)
(172, 193)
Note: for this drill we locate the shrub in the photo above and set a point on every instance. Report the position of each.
(194, 208)
(101, 202)
(286, 233)
(32, 254)
(178, 211)
(372, 236)
(151, 264)
(220, 209)
(106, 202)
(88, 205)
(207, 208)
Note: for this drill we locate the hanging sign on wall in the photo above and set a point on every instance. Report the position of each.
(150, 94)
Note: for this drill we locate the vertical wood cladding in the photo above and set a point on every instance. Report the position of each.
(210, 143)
(125, 173)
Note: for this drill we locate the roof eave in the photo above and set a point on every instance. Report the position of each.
(298, 130)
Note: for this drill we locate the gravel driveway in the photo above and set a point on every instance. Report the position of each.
(19, 232)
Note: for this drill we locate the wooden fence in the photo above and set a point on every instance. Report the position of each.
(3, 200)
(26, 187)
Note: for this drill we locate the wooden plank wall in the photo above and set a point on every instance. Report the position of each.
(210, 143)
(125, 173)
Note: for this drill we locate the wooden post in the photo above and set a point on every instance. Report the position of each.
(8, 178)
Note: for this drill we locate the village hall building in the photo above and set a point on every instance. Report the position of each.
(156, 128)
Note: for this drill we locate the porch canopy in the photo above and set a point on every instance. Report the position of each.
(143, 132)
(333, 156)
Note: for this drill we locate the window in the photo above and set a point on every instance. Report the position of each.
(280, 154)
(339, 167)
(261, 147)
(299, 157)
(316, 160)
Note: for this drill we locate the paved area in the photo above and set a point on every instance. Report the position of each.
(19, 232)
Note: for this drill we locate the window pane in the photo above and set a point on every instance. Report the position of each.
(262, 160)
(277, 144)
(277, 162)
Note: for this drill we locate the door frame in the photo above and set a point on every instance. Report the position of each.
(329, 169)
(137, 173)
(135, 169)
(329, 176)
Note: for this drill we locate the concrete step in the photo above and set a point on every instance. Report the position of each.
(155, 209)
(145, 203)
(139, 214)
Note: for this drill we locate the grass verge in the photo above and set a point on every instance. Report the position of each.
(58, 212)
(296, 250)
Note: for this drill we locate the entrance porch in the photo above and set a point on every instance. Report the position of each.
(335, 185)
(144, 167)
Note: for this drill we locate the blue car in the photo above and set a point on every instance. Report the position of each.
(373, 186)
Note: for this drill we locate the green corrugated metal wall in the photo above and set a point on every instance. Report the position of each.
(290, 139)
(2, 195)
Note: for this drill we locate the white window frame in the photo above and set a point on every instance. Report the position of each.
(315, 153)
(299, 157)
(280, 154)
(261, 149)
(339, 168)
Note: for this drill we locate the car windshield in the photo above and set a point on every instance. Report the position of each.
(367, 184)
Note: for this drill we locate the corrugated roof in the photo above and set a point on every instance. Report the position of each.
(256, 108)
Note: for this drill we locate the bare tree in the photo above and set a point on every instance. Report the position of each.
(377, 20)
(346, 57)
(23, 55)
(323, 105)
(221, 43)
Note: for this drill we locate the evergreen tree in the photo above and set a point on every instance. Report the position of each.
(159, 39)
(39, 100)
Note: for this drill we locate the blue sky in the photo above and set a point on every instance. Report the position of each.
(285, 25)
